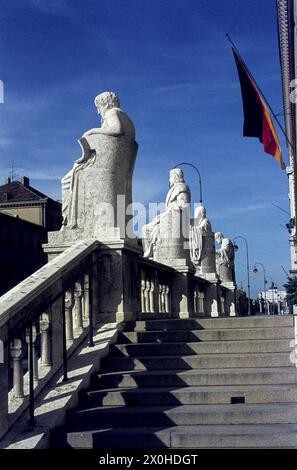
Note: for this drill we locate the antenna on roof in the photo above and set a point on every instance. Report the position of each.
(12, 172)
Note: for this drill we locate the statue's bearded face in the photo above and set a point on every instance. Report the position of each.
(218, 238)
(200, 213)
(175, 177)
(101, 109)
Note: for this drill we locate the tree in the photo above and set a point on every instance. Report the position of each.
(291, 289)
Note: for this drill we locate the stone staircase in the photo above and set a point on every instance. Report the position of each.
(192, 383)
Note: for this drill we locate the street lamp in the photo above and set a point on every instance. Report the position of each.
(255, 270)
(247, 269)
(199, 176)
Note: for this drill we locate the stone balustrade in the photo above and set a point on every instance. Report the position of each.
(42, 320)
(156, 288)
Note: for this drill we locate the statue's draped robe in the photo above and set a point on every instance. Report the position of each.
(227, 253)
(151, 232)
(70, 184)
(202, 226)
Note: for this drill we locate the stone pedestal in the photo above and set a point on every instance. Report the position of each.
(212, 298)
(182, 292)
(118, 296)
(173, 246)
(226, 274)
(230, 299)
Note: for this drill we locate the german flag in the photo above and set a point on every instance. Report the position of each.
(257, 118)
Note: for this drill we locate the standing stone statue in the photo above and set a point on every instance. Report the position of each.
(202, 249)
(225, 258)
(178, 197)
(90, 190)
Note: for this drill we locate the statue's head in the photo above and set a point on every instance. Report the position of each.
(200, 212)
(106, 100)
(219, 237)
(176, 176)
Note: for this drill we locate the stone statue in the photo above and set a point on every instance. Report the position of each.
(201, 227)
(179, 194)
(91, 188)
(178, 198)
(114, 122)
(225, 258)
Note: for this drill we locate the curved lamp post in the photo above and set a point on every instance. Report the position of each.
(255, 270)
(247, 268)
(199, 176)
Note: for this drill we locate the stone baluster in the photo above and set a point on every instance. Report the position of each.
(152, 296)
(195, 300)
(16, 352)
(201, 305)
(86, 298)
(161, 290)
(147, 295)
(164, 297)
(69, 302)
(34, 351)
(167, 300)
(223, 305)
(142, 294)
(78, 319)
(160, 298)
(46, 339)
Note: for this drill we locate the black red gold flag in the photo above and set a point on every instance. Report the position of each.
(257, 118)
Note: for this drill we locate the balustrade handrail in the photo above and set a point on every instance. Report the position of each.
(42, 320)
(37, 292)
(155, 264)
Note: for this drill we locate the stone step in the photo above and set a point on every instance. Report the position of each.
(211, 347)
(176, 378)
(189, 395)
(235, 334)
(187, 437)
(183, 415)
(203, 361)
(211, 323)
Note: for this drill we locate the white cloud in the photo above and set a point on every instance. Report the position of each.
(233, 211)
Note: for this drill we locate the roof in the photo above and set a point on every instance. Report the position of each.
(18, 192)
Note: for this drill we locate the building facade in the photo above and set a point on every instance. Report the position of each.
(21, 250)
(21, 199)
(273, 301)
(287, 18)
(26, 215)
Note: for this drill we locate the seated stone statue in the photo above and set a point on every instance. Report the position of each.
(225, 258)
(103, 172)
(178, 197)
(202, 250)
(114, 121)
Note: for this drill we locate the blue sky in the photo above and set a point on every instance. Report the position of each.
(173, 69)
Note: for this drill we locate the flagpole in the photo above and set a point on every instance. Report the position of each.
(261, 92)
